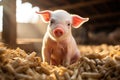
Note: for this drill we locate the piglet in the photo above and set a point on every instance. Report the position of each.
(59, 46)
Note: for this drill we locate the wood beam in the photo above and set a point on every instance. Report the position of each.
(105, 15)
(42, 4)
(93, 20)
(78, 5)
(107, 24)
(1, 3)
(9, 22)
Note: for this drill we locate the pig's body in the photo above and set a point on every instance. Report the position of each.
(59, 46)
(60, 51)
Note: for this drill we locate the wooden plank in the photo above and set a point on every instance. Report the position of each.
(80, 4)
(9, 22)
(42, 4)
(30, 47)
(28, 40)
(105, 15)
(107, 24)
(1, 3)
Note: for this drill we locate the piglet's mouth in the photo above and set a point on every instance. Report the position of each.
(58, 32)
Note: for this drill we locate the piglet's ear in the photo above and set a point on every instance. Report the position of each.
(77, 21)
(45, 15)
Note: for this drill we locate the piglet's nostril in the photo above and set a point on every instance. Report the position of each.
(58, 32)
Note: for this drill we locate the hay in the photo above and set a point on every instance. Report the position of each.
(96, 63)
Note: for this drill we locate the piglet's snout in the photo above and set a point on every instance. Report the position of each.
(58, 32)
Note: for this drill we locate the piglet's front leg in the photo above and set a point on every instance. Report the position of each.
(73, 53)
(66, 61)
(70, 59)
(45, 55)
(67, 58)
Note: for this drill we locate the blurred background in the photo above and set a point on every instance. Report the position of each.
(21, 27)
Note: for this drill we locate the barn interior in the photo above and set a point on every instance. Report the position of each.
(22, 31)
(21, 26)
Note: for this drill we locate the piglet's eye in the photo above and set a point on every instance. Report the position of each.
(52, 21)
(68, 24)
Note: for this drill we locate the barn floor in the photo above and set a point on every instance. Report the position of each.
(100, 62)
